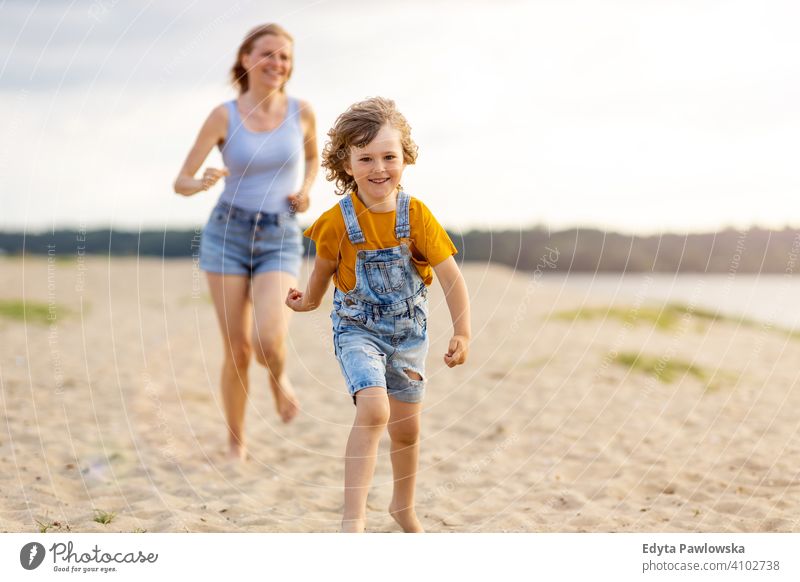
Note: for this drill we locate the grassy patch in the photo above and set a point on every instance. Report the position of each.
(667, 370)
(64, 259)
(21, 310)
(104, 517)
(45, 526)
(666, 317)
(663, 369)
(32, 311)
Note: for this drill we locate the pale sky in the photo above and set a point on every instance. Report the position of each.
(636, 115)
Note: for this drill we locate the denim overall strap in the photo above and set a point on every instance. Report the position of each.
(402, 227)
(354, 232)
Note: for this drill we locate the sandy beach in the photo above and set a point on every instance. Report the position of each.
(111, 412)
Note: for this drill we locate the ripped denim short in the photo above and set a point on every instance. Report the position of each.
(378, 345)
(241, 242)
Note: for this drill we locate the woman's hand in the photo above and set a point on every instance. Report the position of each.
(299, 202)
(211, 134)
(211, 176)
(296, 300)
(457, 351)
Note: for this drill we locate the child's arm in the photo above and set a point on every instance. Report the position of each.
(455, 290)
(317, 286)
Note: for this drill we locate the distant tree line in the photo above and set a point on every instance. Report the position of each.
(576, 250)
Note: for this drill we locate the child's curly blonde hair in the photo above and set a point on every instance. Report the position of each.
(358, 126)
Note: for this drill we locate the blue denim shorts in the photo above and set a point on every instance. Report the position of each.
(377, 345)
(242, 242)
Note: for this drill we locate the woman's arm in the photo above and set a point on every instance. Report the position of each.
(300, 200)
(317, 286)
(455, 291)
(212, 133)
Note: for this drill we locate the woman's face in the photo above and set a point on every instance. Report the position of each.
(269, 63)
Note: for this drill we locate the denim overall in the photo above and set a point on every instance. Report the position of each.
(380, 326)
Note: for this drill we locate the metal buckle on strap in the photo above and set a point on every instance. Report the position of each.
(411, 306)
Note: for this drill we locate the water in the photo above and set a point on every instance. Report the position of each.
(772, 299)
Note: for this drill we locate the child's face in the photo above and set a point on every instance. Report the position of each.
(378, 166)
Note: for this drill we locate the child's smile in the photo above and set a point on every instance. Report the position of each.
(377, 169)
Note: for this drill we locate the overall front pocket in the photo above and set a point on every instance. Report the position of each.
(385, 276)
(348, 315)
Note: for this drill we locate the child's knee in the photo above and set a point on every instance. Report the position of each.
(372, 405)
(405, 432)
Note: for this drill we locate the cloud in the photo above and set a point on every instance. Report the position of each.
(612, 113)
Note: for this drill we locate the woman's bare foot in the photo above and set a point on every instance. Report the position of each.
(353, 525)
(406, 517)
(285, 400)
(237, 451)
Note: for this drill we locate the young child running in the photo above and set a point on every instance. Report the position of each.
(380, 246)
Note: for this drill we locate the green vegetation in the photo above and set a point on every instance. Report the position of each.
(104, 517)
(666, 317)
(665, 370)
(45, 526)
(668, 370)
(31, 311)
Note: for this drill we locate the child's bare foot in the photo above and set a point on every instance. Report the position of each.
(285, 400)
(353, 525)
(406, 517)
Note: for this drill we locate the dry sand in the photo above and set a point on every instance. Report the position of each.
(114, 406)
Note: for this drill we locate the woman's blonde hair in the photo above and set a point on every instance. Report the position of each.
(238, 72)
(357, 127)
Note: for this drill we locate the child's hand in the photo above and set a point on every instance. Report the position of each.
(457, 351)
(296, 300)
(298, 202)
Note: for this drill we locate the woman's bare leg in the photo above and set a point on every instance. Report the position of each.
(372, 413)
(269, 336)
(230, 294)
(404, 423)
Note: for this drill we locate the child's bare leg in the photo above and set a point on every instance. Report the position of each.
(404, 423)
(372, 413)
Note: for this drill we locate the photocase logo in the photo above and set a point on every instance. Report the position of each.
(31, 555)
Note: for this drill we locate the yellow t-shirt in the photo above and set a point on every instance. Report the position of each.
(429, 246)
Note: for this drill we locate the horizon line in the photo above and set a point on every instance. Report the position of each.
(499, 228)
